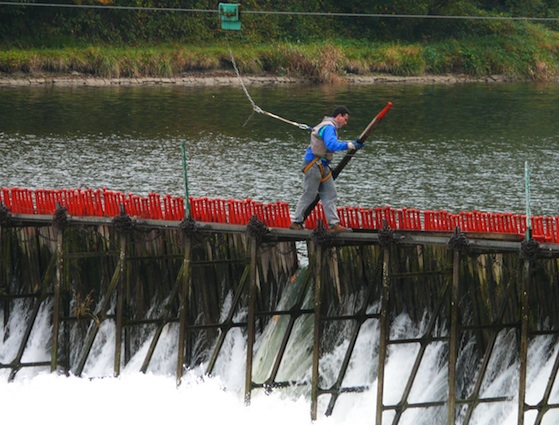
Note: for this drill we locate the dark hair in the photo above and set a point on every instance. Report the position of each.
(340, 110)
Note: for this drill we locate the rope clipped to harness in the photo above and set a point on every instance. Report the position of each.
(257, 108)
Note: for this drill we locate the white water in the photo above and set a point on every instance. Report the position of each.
(154, 397)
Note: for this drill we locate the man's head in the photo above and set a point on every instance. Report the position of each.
(341, 115)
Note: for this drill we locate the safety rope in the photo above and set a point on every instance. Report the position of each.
(257, 108)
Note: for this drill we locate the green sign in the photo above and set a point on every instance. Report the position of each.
(229, 14)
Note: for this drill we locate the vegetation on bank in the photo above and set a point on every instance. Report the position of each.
(530, 54)
(141, 39)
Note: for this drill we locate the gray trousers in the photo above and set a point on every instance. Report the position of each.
(311, 187)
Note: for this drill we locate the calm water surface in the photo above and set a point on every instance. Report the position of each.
(457, 148)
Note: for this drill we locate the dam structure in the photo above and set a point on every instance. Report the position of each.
(479, 288)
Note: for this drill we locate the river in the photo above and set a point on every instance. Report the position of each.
(453, 147)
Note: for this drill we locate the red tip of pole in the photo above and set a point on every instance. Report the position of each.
(382, 113)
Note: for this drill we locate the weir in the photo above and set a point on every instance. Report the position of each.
(466, 291)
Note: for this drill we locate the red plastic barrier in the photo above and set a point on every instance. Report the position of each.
(551, 229)
(174, 208)
(198, 209)
(112, 202)
(387, 214)
(428, 220)
(235, 211)
(132, 206)
(217, 210)
(98, 203)
(285, 214)
(520, 223)
(316, 214)
(91, 202)
(88, 202)
(257, 209)
(155, 211)
(137, 206)
(349, 217)
(538, 231)
(208, 210)
(240, 212)
(22, 201)
(274, 215)
(46, 201)
(278, 214)
(72, 200)
(409, 219)
(440, 220)
(367, 218)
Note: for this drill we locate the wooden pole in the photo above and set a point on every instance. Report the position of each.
(384, 333)
(251, 325)
(183, 307)
(453, 343)
(120, 290)
(523, 341)
(316, 342)
(56, 307)
(5, 254)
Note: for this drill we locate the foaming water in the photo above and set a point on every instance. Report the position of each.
(141, 398)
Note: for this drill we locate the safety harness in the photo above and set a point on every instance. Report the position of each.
(316, 160)
(320, 167)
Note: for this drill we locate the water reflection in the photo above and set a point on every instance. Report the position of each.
(457, 147)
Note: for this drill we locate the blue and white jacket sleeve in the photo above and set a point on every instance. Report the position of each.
(331, 141)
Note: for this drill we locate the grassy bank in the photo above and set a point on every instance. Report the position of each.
(529, 53)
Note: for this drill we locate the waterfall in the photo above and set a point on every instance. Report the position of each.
(138, 397)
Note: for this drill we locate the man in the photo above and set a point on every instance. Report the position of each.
(316, 167)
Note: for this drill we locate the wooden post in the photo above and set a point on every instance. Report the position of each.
(523, 341)
(251, 325)
(316, 342)
(4, 261)
(453, 342)
(384, 333)
(120, 290)
(183, 307)
(56, 307)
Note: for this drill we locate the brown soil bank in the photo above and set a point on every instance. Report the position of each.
(223, 79)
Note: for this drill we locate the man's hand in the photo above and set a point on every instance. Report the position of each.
(354, 145)
(357, 144)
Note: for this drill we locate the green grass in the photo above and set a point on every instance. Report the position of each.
(530, 53)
